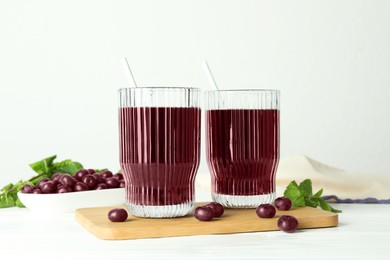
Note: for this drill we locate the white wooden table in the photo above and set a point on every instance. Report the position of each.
(363, 233)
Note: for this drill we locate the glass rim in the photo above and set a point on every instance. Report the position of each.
(243, 90)
(159, 88)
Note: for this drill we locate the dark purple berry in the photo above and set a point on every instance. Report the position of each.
(106, 174)
(48, 187)
(204, 213)
(37, 191)
(283, 203)
(266, 211)
(28, 188)
(64, 189)
(122, 184)
(80, 174)
(217, 209)
(117, 215)
(91, 181)
(67, 180)
(99, 178)
(101, 186)
(56, 176)
(91, 171)
(42, 181)
(118, 175)
(80, 186)
(112, 183)
(287, 223)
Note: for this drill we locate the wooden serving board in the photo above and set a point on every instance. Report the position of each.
(233, 221)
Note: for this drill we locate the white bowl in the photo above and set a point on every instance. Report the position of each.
(69, 202)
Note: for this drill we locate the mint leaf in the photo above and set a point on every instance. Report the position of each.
(302, 195)
(43, 166)
(294, 194)
(324, 205)
(6, 201)
(18, 203)
(311, 202)
(67, 166)
(335, 210)
(292, 190)
(319, 193)
(299, 202)
(7, 187)
(306, 188)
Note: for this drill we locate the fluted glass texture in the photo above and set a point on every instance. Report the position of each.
(159, 131)
(242, 146)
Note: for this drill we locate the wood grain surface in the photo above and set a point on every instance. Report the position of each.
(233, 221)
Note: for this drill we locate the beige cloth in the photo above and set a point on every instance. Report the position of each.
(342, 183)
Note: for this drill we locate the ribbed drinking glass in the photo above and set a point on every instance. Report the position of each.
(159, 129)
(242, 145)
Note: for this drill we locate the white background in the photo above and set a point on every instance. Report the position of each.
(60, 71)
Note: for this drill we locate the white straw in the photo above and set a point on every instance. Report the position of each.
(129, 75)
(209, 75)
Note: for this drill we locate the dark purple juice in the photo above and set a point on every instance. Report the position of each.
(242, 150)
(159, 153)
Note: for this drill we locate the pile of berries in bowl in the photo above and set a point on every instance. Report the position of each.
(63, 192)
(83, 180)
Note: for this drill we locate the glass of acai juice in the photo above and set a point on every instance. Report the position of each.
(242, 145)
(159, 129)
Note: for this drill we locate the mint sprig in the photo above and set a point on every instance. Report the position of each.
(302, 195)
(44, 168)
